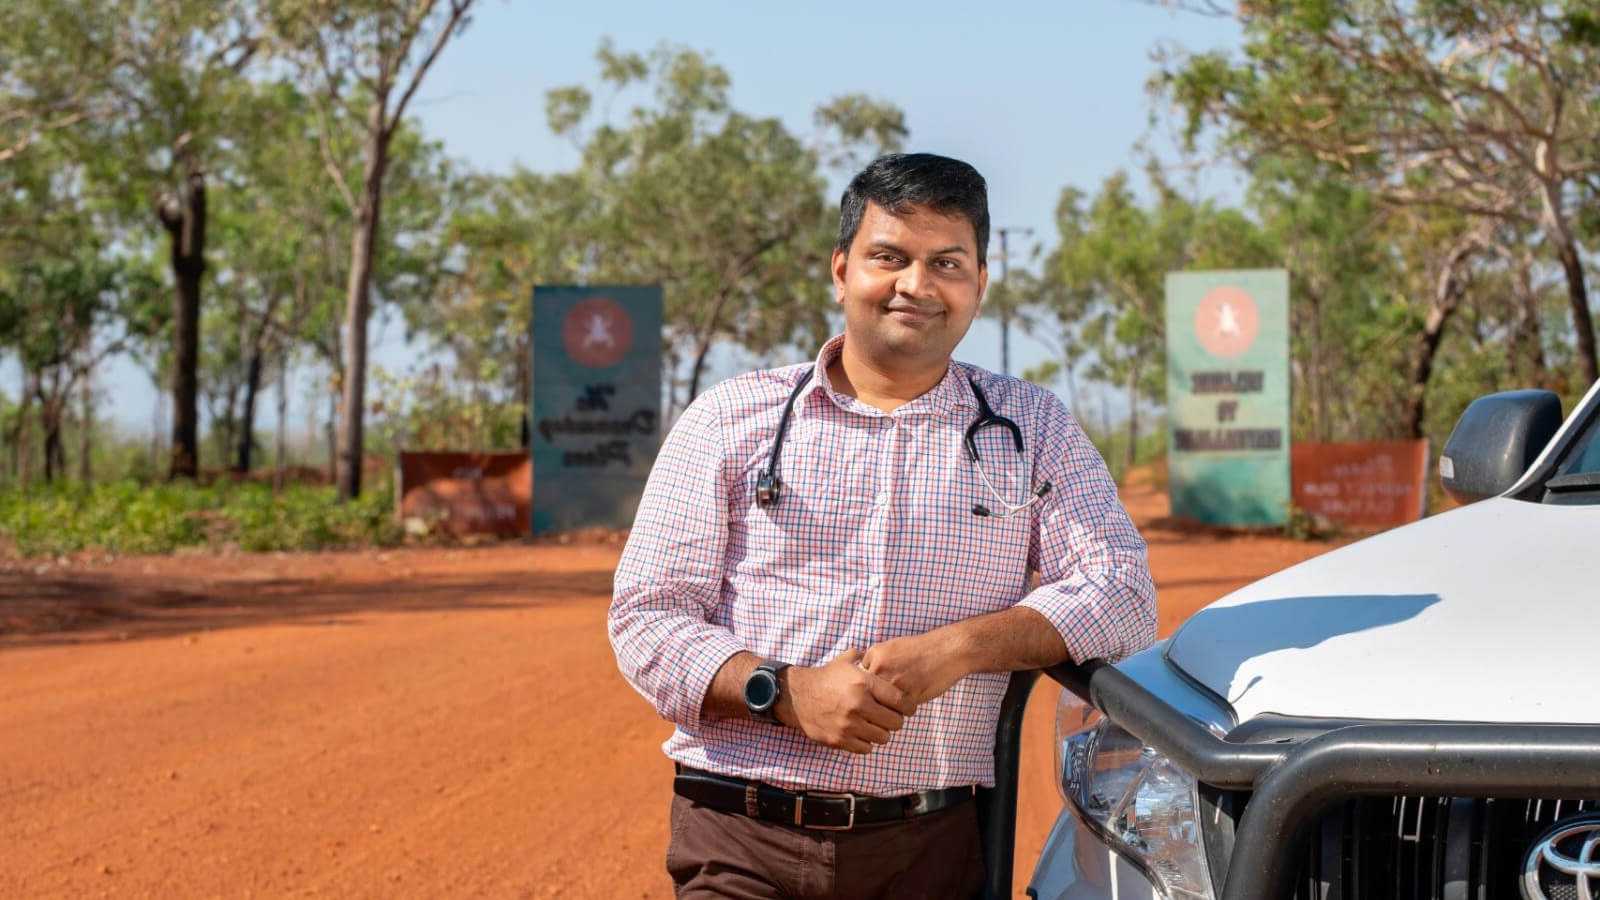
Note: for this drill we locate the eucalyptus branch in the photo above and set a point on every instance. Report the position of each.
(458, 10)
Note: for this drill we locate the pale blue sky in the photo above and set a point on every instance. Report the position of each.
(1037, 95)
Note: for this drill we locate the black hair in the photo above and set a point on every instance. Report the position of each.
(900, 181)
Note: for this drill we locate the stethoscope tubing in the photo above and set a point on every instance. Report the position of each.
(769, 489)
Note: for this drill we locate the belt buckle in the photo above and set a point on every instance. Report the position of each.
(799, 805)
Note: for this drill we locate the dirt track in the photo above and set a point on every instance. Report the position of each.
(421, 723)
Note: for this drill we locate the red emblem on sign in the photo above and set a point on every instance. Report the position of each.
(1226, 321)
(597, 332)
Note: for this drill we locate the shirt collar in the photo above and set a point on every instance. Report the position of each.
(953, 393)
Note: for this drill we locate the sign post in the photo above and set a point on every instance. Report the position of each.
(595, 422)
(1228, 396)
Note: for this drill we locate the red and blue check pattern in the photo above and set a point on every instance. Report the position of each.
(874, 538)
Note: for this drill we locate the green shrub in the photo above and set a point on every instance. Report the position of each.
(127, 517)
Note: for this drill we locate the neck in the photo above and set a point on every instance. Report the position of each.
(882, 387)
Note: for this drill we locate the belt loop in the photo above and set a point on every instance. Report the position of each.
(752, 806)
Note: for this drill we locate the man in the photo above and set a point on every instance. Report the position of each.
(828, 581)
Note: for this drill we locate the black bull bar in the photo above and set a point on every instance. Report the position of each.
(1293, 784)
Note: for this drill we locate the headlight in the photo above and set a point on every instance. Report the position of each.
(1134, 797)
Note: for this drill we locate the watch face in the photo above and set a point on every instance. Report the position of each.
(760, 690)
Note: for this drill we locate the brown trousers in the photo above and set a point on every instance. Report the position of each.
(715, 854)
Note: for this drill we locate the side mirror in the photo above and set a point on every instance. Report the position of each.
(1495, 441)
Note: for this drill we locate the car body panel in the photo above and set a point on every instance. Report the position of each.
(1416, 624)
(1077, 865)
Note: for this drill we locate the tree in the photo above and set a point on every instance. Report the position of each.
(1110, 272)
(1483, 109)
(51, 313)
(46, 83)
(727, 211)
(169, 70)
(374, 53)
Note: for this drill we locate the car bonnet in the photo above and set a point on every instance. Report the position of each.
(1490, 613)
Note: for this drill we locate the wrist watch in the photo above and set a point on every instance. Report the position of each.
(761, 691)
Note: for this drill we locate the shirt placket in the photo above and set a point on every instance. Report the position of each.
(885, 462)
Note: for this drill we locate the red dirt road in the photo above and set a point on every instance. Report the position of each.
(419, 723)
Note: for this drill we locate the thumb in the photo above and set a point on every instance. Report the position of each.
(850, 656)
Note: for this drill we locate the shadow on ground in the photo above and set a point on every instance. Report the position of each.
(67, 607)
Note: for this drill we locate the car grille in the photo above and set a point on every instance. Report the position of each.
(1448, 848)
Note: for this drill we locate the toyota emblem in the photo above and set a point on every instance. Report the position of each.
(1564, 861)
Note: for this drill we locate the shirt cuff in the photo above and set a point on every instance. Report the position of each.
(704, 655)
(1094, 625)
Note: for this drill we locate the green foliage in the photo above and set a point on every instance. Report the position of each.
(1107, 278)
(1475, 110)
(726, 210)
(129, 517)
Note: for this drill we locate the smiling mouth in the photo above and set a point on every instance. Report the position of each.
(912, 313)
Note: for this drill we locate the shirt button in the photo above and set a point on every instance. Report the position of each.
(874, 582)
(883, 498)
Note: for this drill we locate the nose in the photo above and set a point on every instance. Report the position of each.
(913, 280)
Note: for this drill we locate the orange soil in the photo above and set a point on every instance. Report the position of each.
(420, 723)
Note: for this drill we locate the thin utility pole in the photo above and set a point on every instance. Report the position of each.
(1005, 305)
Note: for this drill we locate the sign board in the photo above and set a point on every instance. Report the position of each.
(595, 425)
(1228, 396)
(1375, 484)
(466, 493)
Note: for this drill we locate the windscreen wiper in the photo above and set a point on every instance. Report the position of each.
(1573, 482)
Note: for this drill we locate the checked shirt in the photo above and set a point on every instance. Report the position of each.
(873, 538)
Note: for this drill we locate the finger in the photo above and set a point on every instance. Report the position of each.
(891, 696)
(870, 733)
(855, 745)
(883, 717)
(851, 656)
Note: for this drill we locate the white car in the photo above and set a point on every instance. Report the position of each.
(1416, 715)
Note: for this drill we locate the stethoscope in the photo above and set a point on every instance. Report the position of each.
(769, 488)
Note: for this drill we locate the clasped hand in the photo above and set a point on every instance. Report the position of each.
(859, 700)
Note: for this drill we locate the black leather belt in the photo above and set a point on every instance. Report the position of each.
(822, 810)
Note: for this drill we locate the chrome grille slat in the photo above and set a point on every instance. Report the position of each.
(1416, 848)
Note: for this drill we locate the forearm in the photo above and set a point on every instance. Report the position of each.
(1006, 641)
(926, 665)
(724, 699)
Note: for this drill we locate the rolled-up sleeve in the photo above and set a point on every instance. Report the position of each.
(1094, 570)
(670, 577)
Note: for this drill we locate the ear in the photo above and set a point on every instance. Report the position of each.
(983, 284)
(840, 258)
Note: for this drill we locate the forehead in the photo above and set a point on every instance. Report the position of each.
(916, 227)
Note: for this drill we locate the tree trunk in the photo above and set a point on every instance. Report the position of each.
(86, 427)
(1525, 363)
(333, 436)
(184, 217)
(703, 341)
(281, 441)
(50, 414)
(1578, 299)
(358, 304)
(701, 349)
(1315, 386)
(1559, 233)
(1446, 298)
(255, 350)
(247, 415)
(20, 438)
(1130, 456)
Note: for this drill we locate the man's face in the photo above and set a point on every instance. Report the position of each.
(910, 286)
